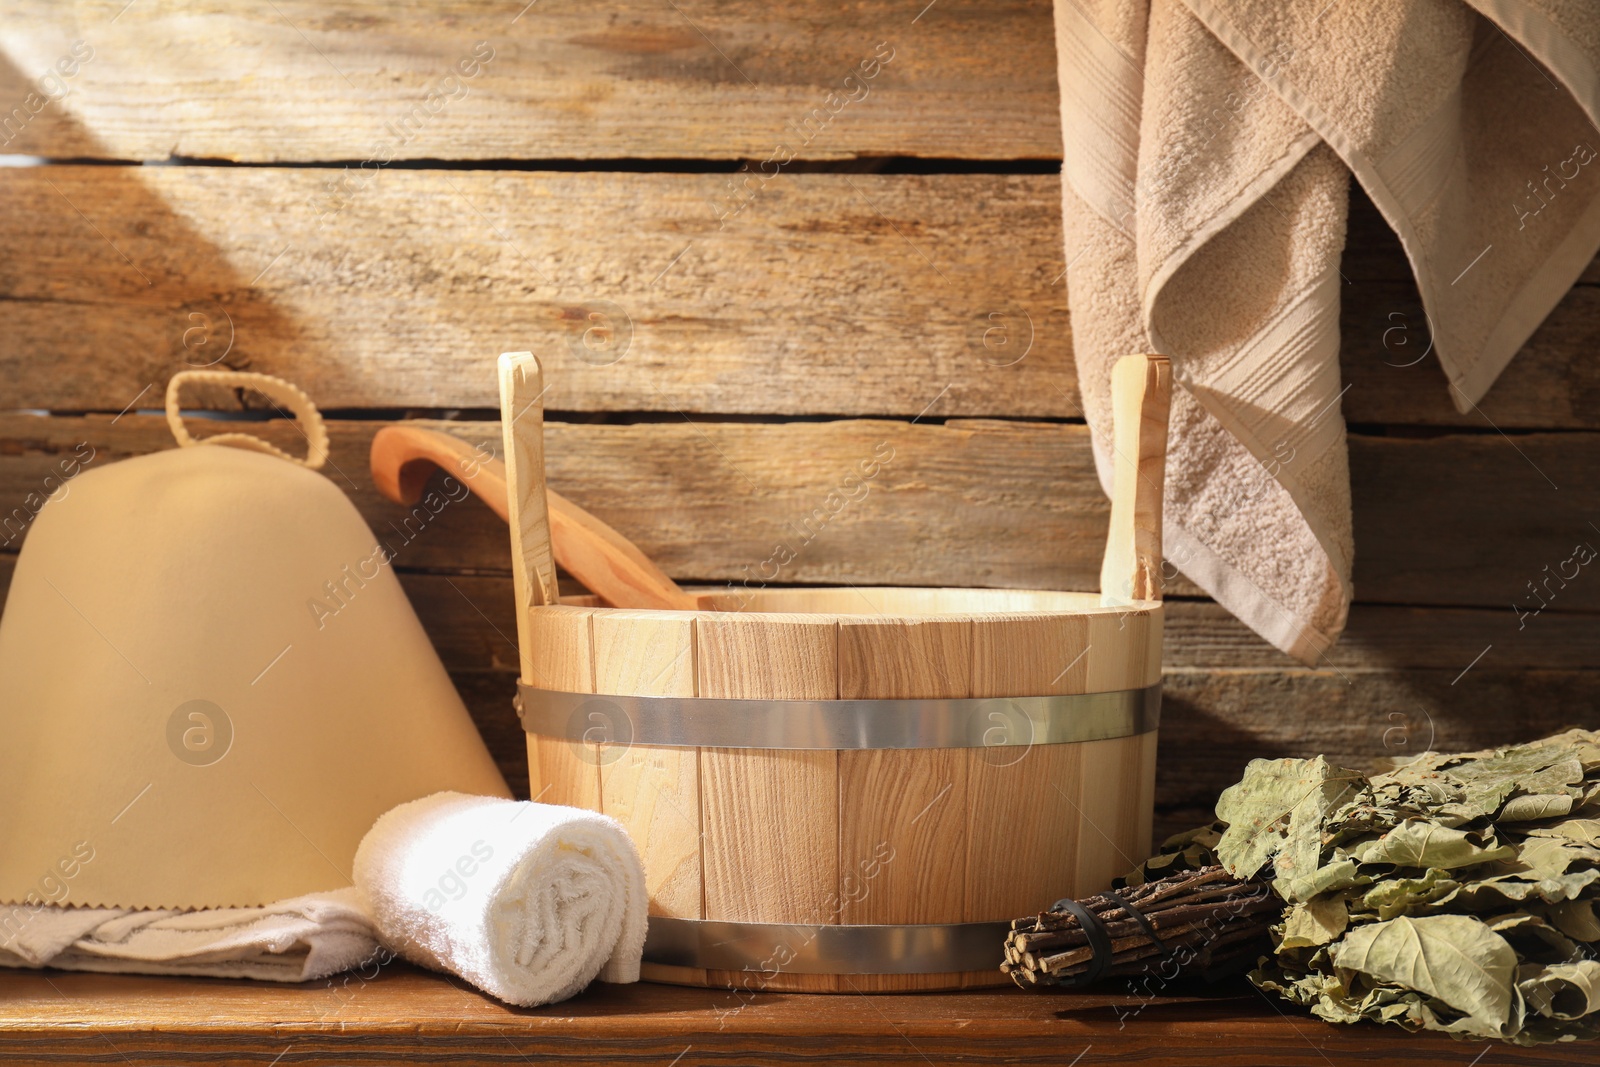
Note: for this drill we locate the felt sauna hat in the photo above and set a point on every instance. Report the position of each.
(211, 683)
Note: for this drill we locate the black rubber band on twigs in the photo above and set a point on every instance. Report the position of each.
(1099, 940)
(1139, 917)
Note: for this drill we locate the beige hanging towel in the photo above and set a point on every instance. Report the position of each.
(1207, 149)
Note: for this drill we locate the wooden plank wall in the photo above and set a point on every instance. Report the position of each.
(750, 243)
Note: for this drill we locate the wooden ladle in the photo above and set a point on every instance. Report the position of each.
(608, 564)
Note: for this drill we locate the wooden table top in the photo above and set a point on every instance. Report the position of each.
(406, 1015)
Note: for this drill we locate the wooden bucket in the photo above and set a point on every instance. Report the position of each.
(856, 789)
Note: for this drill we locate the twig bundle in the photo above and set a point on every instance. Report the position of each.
(1192, 922)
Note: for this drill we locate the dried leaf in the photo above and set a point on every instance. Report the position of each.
(1315, 922)
(1565, 771)
(1397, 896)
(1491, 778)
(1576, 919)
(1487, 797)
(1452, 893)
(1535, 806)
(1424, 843)
(1533, 939)
(1492, 892)
(1187, 851)
(1590, 801)
(1276, 812)
(1563, 990)
(1527, 763)
(1340, 873)
(1551, 857)
(1453, 958)
(1582, 831)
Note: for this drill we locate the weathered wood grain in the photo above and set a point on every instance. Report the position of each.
(1114, 804)
(653, 792)
(971, 502)
(1199, 634)
(402, 1013)
(1031, 791)
(488, 696)
(300, 80)
(837, 294)
(903, 814)
(559, 655)
(1394, 378)
(1214, 722)
(985, 504)
(770, 818)
(1379, 638)
(827, 294)
(1480, 520)
(471, 618)
(848, 294)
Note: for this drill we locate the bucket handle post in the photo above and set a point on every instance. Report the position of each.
(533, 569)
(1141, 392)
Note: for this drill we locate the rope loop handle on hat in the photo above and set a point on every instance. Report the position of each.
(287, 393)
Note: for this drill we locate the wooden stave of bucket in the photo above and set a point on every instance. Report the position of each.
(669, 655)
(888, 836)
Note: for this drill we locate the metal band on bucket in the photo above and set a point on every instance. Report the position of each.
(719, 722)
(769, 949)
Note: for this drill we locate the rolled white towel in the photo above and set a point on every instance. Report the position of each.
(528, 902)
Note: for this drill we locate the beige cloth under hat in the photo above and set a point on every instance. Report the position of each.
(1207, 149)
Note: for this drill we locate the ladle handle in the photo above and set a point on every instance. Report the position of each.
(403, 459)
(605, 562)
